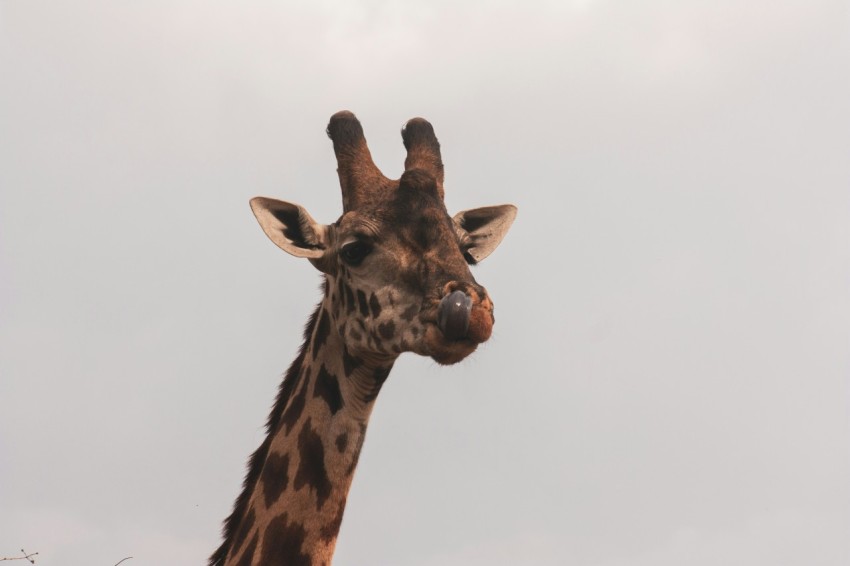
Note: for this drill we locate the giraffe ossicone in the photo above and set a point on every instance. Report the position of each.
(396, 279)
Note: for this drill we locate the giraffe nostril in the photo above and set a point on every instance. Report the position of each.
(453, 315)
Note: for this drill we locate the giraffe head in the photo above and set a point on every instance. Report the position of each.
(397, 264)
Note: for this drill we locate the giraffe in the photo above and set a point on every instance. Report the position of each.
(396, 279)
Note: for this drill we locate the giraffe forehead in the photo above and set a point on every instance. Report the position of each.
(421, 222)
(359, 223)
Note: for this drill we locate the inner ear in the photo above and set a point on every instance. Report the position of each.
(290, 227)
(484, 228)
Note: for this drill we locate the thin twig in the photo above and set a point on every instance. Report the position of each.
(122, 560)
(28, 557)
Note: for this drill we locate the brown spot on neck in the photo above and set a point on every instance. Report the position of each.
(311, 466)
(283, 543)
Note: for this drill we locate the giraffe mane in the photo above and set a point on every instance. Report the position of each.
(258, 458)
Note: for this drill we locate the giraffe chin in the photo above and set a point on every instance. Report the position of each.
(443, 351)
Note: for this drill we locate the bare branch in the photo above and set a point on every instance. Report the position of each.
(26, 556)
(122, 560)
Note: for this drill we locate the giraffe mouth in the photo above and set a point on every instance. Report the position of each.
(457, 325)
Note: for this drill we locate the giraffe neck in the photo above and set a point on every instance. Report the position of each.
(292, 505)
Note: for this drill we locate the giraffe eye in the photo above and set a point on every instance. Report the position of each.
(354, 253)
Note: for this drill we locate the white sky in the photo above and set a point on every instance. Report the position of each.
(668, 379)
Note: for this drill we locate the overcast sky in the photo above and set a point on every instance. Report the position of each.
(667, 383)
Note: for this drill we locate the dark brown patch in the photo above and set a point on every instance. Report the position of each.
(330, 531)
(248, 556)
(410, 312)
(355, 334)
(374, 305)
(284, 543)
(340, 288)
(322, 331)
(275, 477)
(327, 387)
(387, 329)
(311, 467)
(357, 448)
(349, 362)
(295, 408)
(362, 303)
(342, 441)
(349, 298)
(381, 374)
(244, 528)
(379, 377)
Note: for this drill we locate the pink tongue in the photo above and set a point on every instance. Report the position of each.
(453, 315)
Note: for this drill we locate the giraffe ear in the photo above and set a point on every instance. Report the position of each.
(290, 227)
(484, 229)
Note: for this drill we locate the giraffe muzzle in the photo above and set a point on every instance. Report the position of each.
(453, 315)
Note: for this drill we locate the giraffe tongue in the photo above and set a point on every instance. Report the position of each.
(453, 315)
